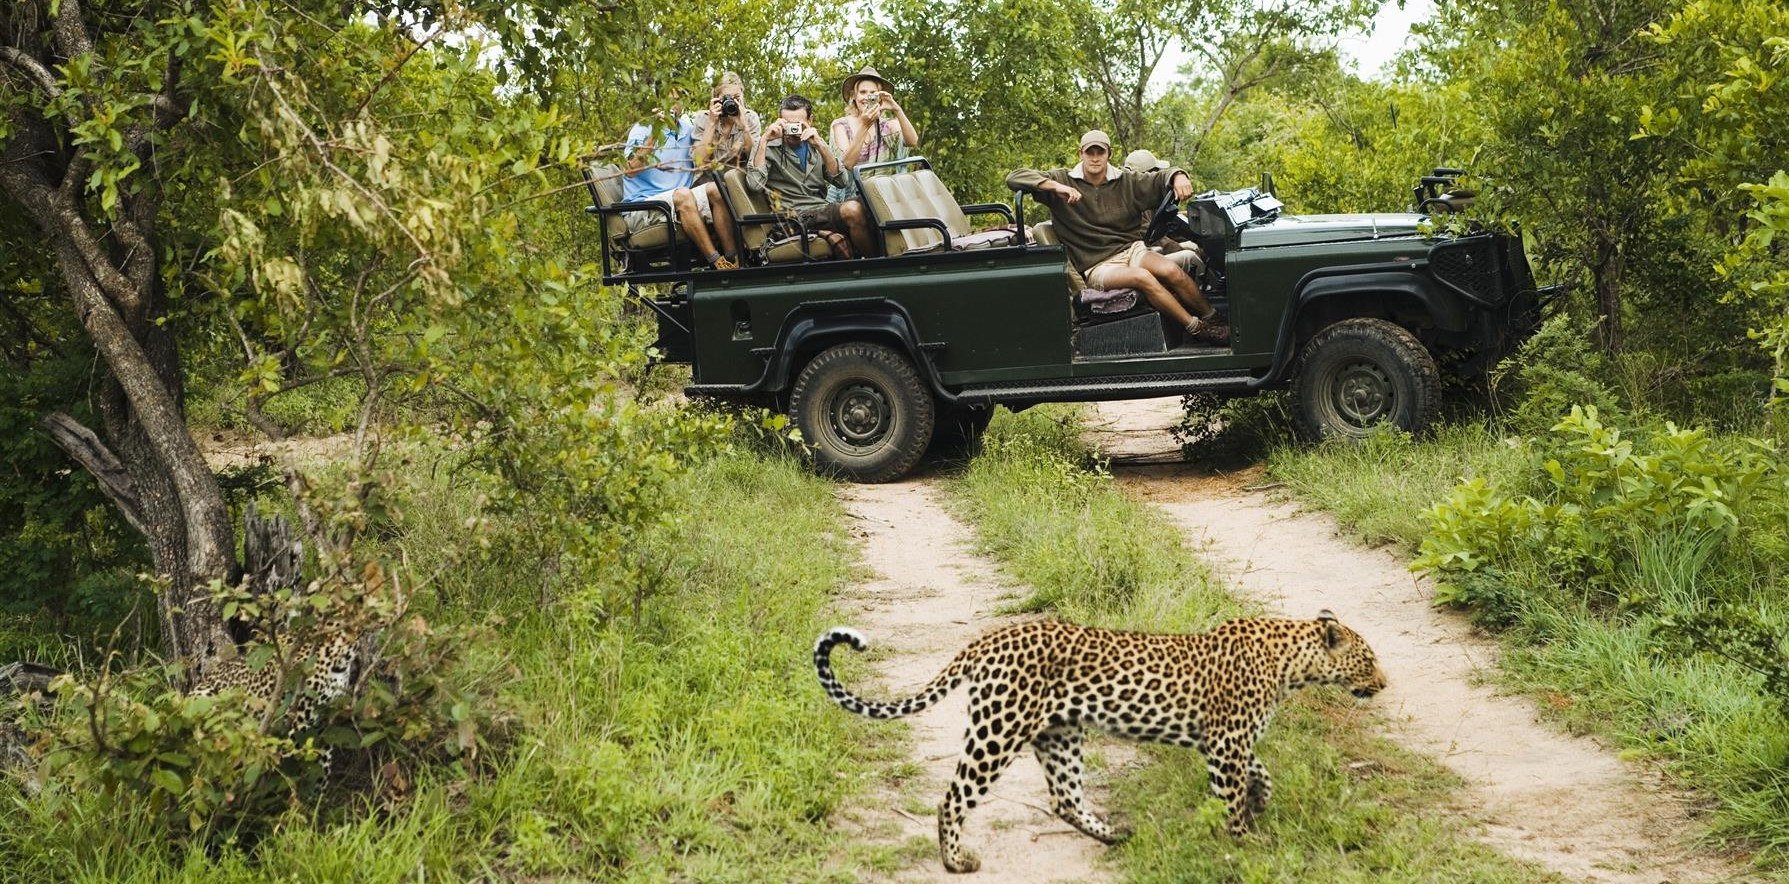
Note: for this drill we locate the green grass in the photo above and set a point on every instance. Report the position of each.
(690, 745)
(1597, 666)
(1347, 806)
(1378, 489)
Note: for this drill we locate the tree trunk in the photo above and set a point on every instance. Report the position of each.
(110, 269)
(1606, 272)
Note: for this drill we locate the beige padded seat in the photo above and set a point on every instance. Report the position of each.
(944, 207)
(895, 198)
(604, 183)
(756, 233)
(1044, 233)
(917, 195)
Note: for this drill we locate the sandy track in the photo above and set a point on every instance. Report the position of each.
(1566, 803)
(929, 596)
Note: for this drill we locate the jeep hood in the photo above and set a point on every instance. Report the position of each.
(1292, 230)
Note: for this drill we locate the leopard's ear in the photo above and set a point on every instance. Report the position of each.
(1332, 635)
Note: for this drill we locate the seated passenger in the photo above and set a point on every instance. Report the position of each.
(1186, 254)
(725, 132)
(874, 128)
(660, 171)
(1096, 208)
(794, 166)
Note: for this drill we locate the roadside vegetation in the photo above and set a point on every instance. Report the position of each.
(1346, 805)
(1633, 567)
(626, 731)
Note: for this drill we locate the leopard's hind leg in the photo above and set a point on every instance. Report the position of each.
(1000, 724)
(1059, 750)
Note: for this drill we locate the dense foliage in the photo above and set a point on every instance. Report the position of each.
(363, 218)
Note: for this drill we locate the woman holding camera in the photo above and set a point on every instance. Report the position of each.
(873, 129)
(725, 131)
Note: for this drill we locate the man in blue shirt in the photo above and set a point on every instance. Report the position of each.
(659, 170)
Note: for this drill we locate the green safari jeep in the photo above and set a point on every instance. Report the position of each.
(875, 359)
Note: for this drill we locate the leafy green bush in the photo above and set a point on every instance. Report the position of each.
(1600, 494)
(228, 765)
(1549, 374)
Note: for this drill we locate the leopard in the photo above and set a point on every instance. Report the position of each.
(328, 661)
(1043, 683)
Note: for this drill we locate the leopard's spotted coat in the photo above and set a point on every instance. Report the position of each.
(1040, 683)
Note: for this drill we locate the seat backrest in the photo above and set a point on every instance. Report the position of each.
(943, 204)
(879, 198)
(1044, 233)
(604, 182)
(743, 201)
(910, 204)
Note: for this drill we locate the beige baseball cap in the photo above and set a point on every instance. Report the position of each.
(1095, 136)
(1141, 160)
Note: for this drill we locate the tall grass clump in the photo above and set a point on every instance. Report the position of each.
(1346, 805)
(1048, 511)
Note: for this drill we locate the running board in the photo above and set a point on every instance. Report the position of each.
(1141, 386)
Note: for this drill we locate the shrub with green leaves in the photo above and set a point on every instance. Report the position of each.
(1599, 494)
(1552, 372)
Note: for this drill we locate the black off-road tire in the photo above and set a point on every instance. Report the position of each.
(957, 434)
(865, 411)
(1359, 373)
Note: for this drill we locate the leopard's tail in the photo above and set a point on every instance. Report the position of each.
(931, 693)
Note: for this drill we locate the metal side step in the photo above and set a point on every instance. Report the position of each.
(1096, 389)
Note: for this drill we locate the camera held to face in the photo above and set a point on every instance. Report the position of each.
(729, 106)
(792, 129)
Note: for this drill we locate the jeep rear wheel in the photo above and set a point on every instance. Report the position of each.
(864, 410)
(1359, 373)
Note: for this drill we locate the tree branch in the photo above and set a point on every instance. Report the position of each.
(84, 446)
(32, 67)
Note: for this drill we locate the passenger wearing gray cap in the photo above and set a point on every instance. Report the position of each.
(1185, 254)
(1096, 207)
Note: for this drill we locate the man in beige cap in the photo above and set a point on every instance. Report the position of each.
(1184, 254)
(1096, 208)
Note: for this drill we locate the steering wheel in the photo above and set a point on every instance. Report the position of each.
(1167, 220)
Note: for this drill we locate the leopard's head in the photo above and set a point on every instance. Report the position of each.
(1347, 660)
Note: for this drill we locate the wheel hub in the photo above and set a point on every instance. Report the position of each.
(860, 415)
(1363, 394)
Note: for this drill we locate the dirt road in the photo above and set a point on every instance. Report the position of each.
(928, 595)
(1564, 802)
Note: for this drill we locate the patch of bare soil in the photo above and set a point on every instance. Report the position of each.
(1567, 803)
(234, 450)
(928, 596)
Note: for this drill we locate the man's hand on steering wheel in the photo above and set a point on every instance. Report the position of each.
(1183, 187)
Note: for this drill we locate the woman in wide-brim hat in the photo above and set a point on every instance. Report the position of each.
(874, 128)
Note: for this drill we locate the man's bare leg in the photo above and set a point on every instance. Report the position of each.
(1183, 286)
(690, 218)
(1157, 294)
(723, 221)
(857, 224)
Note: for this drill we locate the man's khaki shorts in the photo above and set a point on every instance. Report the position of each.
(1126, 258)
(641, 218)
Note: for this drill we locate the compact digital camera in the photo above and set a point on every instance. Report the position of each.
(792, 128)
(729, 106)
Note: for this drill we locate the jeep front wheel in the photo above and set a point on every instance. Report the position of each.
(1359, 373)
(865, 411)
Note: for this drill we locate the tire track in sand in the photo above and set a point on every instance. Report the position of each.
(1567, 803)
(928, 596)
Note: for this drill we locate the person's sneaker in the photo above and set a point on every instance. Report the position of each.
(722, 262)
(1210, 331)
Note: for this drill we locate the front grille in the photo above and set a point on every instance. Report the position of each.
(1469, 266)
